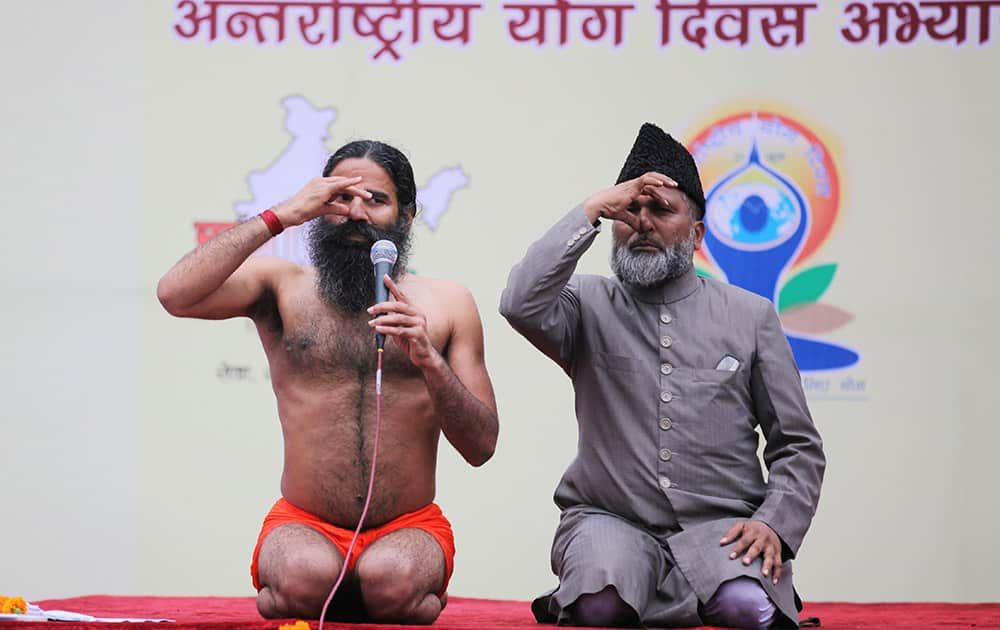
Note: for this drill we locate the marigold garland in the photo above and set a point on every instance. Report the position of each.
(298, 625)
(13, 605)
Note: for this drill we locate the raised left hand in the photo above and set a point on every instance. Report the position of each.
(406, 324)
(755, 538)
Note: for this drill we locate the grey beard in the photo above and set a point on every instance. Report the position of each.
(646, 269)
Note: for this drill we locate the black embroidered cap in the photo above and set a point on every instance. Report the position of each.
(654, 150)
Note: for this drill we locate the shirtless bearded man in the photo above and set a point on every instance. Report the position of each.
(316, 325)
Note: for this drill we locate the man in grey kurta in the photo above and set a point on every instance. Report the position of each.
(666, 517)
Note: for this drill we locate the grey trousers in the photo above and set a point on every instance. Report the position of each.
(666, 579)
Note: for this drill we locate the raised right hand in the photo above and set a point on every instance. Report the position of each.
(614, 203)
(322, 195)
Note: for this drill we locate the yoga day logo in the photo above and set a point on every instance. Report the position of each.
(773, 193)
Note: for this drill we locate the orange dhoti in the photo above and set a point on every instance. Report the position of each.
(428, 519)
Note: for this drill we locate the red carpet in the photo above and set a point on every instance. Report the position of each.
(486, 614)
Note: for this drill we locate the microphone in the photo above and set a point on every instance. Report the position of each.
(383, 258)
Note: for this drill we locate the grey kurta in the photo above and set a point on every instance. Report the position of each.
(667, 454)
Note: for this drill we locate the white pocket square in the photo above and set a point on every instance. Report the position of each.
(729, 363)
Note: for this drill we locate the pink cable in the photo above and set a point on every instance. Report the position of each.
(371, 484)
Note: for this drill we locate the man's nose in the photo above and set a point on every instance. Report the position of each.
(645, 223)
(357, 210)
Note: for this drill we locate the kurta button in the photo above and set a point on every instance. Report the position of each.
(666, 396)
(666, 369)
(666, 341)
(665, 454)
(665, 482)
(666, 318)
(582, 231)
(666, 424)
(570, 242)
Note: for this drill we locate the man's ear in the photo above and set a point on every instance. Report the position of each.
(699, 234)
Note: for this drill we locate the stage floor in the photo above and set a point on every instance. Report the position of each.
(481, 614)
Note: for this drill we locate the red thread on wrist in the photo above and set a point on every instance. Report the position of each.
(272, 221)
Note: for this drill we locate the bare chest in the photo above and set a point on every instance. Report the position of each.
(317, 340)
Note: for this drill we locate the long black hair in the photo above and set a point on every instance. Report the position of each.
(390, 159)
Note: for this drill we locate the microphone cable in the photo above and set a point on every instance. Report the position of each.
(371, 485)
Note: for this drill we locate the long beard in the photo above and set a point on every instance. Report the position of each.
(646, 269)
(345, 274)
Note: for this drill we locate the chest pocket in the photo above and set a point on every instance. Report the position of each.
(720, 394)
(721, 402)
(713, 376)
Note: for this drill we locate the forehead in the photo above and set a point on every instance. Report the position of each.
(374, 175)
(673, 195)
